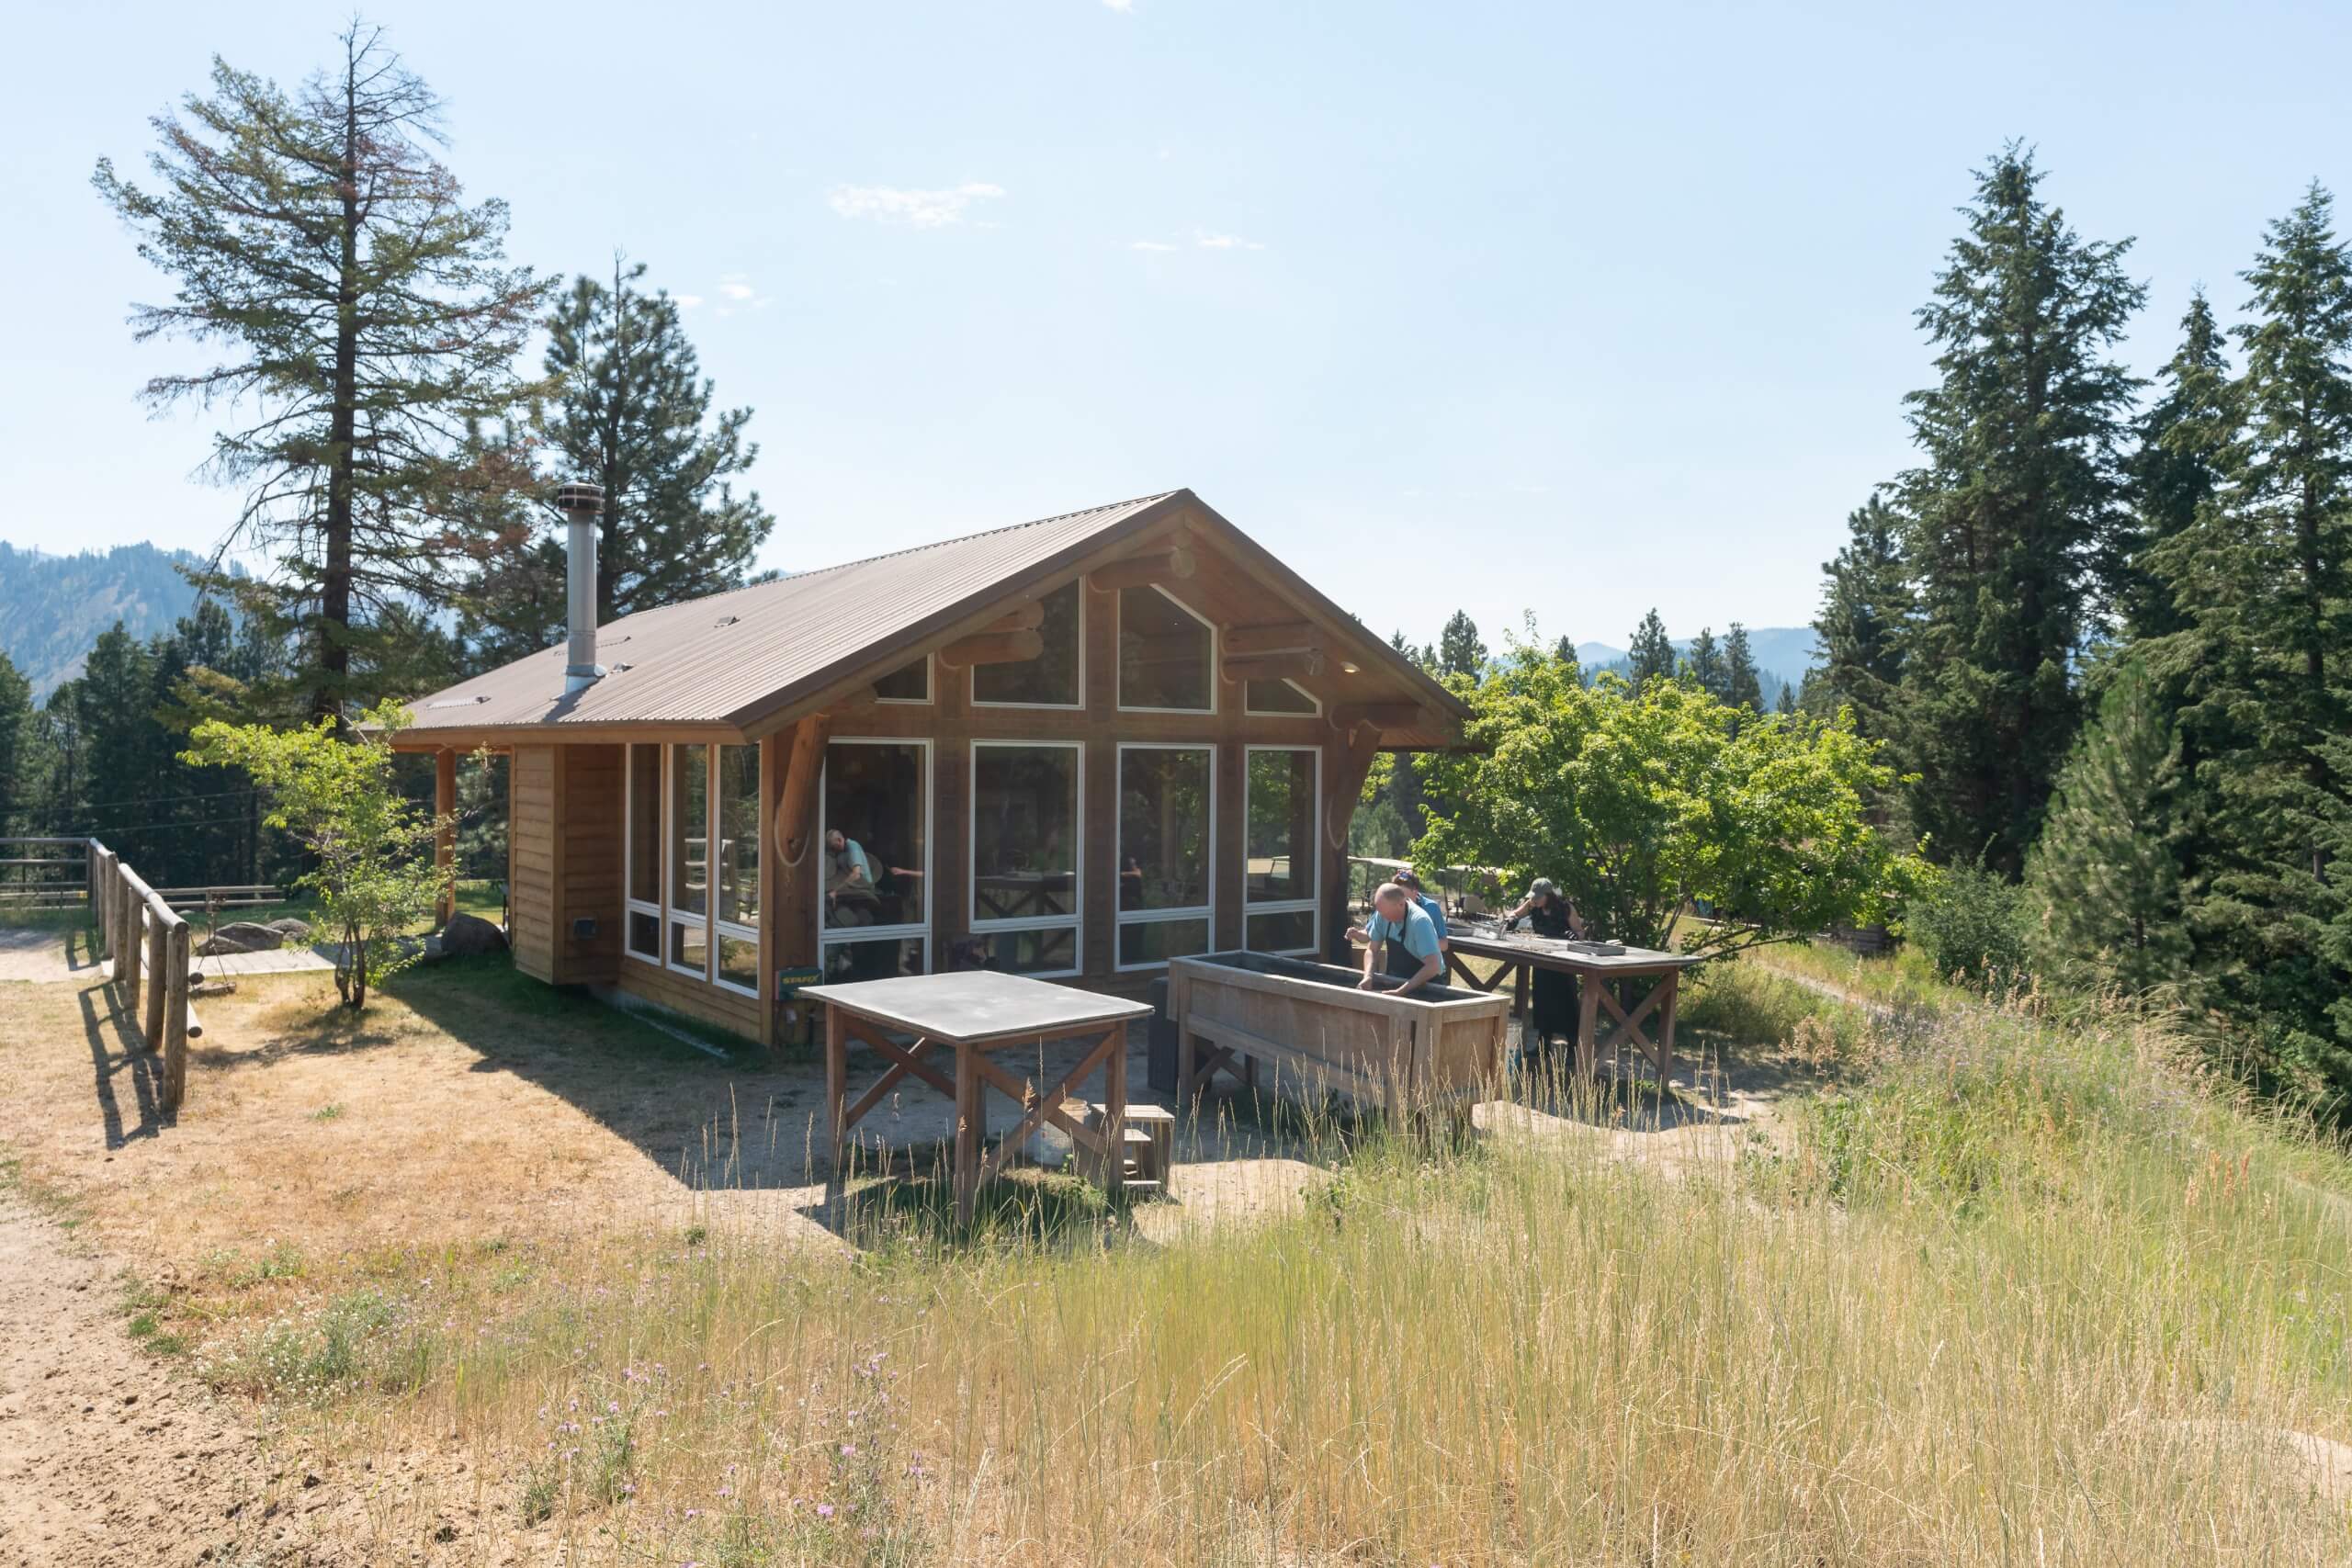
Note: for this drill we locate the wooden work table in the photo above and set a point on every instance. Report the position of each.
(968, 1015)
(1520, 954)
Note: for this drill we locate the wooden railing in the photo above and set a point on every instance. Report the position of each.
(149, 944)
(45, 873)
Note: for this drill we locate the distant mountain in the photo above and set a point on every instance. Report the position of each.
(53, 607)
(1783, 655)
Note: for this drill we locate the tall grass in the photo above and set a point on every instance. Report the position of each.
(2023, 1294)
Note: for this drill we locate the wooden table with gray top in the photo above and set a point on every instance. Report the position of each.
(969, 1015)
(1596, 965)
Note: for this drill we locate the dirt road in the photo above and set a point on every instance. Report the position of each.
(105, 1457)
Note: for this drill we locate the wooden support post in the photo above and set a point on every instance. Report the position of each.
(837, 1091)
(105, 902)
(1588, 1025)
(971, 1126)
(175, 1017)
(159, 937)
(444, 836)
(134, 942)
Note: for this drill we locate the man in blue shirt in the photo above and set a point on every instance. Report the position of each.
(1410, 881)
(1410, 937)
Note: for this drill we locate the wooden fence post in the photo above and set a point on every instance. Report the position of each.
(176, 1016)
(159, 936)
(134, 946)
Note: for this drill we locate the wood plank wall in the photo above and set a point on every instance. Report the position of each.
(588, 805)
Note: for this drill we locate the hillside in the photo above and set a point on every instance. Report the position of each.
(53, 607)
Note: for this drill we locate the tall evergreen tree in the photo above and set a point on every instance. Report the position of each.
(1459, 649)
(1652, 655)
(1788, 704)
(2015, 512)
(1743, 686)
(1704, 663)
(1565, 651)
(2263, 579)
(2178, 468)
(2102, 881)
(368, 319)
(19, 788)
(633, 413)
(1865, 603)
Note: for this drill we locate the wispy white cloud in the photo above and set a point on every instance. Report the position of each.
(736, 286)
(1149, 246)
(1126, 6)
(687, 302)
(915, 209)
(1226, 243)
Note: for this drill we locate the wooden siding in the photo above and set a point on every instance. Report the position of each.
(530, 858)
(588, 863)
(731, 1011)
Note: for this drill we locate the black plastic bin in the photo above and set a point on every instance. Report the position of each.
(1161, 1074)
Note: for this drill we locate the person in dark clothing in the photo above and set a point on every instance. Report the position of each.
(1553, 1004)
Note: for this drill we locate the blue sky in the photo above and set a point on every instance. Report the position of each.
(1504, 307)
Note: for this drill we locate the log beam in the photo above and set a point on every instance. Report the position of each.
(1306, 665)
(1274, 637)
(1382, 716)
(992, 647)
(795, 812)
(1019, 618)
(1173, 565)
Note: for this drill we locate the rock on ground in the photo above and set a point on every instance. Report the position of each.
(241, 936)
(468, 935)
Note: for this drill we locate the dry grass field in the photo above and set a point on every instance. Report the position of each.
(520, 1279)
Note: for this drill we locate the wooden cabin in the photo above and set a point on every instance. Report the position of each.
(1073, 748)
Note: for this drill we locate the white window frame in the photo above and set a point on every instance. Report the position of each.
(930, 687)
(1315, 703)
(997, 926)
(1312, 904)
(672, 917)
(829, 936)
(1206, 912)
(1217, 661)
(632, 906)
(731, 930)
(972, 675)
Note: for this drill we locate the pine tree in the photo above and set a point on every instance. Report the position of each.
(2013, 512)
(1459, 650)
(2178, 467)
(1565, 651)
(17, 754)
(1788, 704)
(1652, 652)
(1704, 663)
(2263, 579)
(2103, 884)
(633, 414)
(367, 321)
(1864, 605)
(1742, 687)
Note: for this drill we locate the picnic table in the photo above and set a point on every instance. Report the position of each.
(966, 1016)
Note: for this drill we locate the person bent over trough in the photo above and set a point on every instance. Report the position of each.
(1402, 931)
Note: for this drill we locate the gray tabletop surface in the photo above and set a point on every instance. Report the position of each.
(977, 1005)
(1564, 952)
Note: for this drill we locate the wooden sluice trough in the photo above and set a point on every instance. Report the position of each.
(1438, 1050)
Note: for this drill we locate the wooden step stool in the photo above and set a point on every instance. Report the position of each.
(1150, 1150)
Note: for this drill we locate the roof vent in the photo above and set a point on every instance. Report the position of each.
(725, 621)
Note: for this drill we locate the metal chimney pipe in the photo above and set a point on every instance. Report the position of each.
(579, 503)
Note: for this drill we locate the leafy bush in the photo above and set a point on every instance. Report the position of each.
(1972, 925)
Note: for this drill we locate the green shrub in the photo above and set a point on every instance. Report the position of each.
(1972, 925)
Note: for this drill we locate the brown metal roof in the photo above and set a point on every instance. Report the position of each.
(735, 657)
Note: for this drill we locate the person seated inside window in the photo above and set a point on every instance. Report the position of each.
(851, 896)
(1401, 929)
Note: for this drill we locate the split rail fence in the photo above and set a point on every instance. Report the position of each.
(147, 940)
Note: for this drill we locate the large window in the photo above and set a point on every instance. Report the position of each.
(1167, 824)
(1272, 697)
(874, 846)
(1025, 826)
(644, 937)
(1052, 679)
(1280, 849)
(1166, 654)
(689, 854)
(736, 870)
